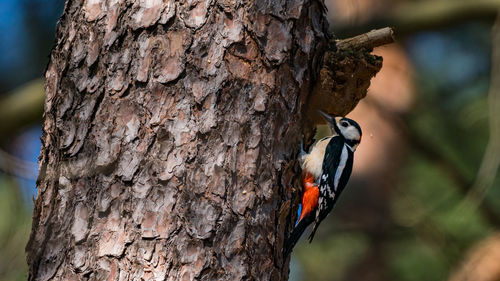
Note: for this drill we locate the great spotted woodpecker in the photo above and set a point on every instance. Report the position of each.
(325, 172)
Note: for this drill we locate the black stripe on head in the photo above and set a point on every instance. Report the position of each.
(335, 128)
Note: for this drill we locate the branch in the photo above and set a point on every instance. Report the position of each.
(12, 165)
(369, 40)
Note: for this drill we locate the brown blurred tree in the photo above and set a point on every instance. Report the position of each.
(169, 136)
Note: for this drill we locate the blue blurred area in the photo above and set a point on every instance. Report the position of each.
(453, 57)
(26, 34)
(27, 29)
(27, 147)
(13, 46)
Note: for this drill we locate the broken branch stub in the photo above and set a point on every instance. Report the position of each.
(369, 40)
(346, 72)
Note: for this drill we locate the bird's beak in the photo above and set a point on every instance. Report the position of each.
(332, 121)
(327, 117)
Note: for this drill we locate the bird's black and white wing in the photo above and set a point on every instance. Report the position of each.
(337, 167)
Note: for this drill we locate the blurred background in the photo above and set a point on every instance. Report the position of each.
(424, 199)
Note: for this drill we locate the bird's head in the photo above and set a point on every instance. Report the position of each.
(345, 127)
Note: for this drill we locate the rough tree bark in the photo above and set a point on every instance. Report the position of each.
(169, 138)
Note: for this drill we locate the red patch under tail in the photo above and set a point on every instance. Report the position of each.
(310, 195)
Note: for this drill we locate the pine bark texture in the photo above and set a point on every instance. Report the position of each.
(169, 134)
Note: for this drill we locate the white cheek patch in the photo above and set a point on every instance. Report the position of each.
(350, 133)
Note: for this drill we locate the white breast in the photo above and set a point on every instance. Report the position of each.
(313, 162)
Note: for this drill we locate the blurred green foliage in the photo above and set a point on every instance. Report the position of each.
(15, 226)
(330, 258)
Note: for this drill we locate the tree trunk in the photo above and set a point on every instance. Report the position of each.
(169, 137)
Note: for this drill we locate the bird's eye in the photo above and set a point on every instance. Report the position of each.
(344, 123)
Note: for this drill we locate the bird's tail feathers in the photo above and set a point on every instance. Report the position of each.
(297, 233)
(311, 236)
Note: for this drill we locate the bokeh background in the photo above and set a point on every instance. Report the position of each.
(424, 199)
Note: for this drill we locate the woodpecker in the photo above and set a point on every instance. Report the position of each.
(325, 172)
